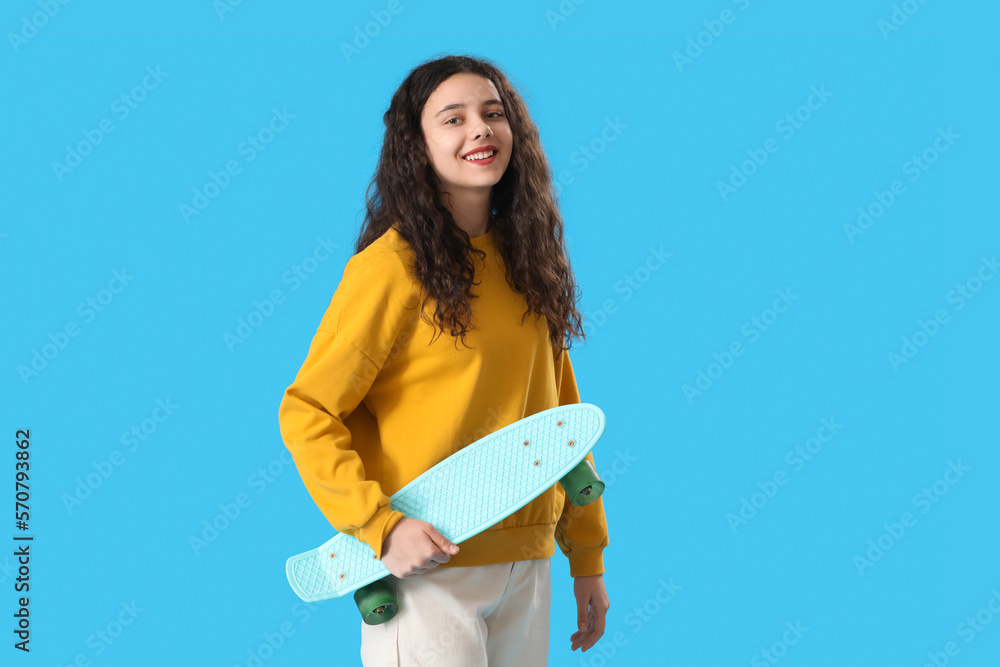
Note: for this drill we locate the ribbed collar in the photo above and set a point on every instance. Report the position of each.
(483, 241)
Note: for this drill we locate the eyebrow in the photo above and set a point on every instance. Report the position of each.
(462, 106)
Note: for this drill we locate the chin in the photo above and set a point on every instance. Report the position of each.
(484, 181)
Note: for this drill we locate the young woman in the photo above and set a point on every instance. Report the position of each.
(450, 322)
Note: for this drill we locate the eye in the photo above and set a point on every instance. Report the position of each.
(492, 114)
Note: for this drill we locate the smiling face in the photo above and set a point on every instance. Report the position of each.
(461, 117)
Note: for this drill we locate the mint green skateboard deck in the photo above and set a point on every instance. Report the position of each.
(468, 492)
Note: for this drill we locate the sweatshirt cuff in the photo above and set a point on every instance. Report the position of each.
(585, 562)
(374, 532)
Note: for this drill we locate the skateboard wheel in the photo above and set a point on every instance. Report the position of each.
(582, 484)
(376, 602)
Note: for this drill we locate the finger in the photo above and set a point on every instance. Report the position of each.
(438, 557)
(590, 635)
(599, 618)
(582, 636)
(445, 545)
(582, 613)
(583, 641)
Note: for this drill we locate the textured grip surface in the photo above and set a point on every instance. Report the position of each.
(462, 495)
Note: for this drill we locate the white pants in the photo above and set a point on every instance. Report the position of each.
(495, 615)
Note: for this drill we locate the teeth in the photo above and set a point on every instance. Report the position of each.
(480, 156)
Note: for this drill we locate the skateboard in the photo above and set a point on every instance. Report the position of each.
(461, 496)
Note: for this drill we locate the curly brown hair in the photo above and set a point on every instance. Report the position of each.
(523, 213)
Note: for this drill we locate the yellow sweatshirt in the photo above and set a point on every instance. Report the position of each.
(375, 404)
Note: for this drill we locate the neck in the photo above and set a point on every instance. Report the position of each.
(470, 209)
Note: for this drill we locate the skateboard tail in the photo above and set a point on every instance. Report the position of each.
(305, 582)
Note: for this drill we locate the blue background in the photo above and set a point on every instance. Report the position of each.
(682, 128)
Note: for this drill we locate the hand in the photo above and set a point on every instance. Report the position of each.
(590, 593)
(412, 547)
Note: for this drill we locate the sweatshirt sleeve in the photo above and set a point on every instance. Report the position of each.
(349, 348)
(581, 532)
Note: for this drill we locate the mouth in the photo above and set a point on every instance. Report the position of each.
(484, 156)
